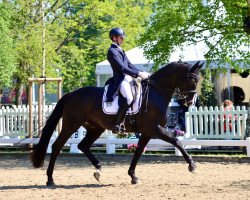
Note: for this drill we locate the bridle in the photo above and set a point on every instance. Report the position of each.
(191, 75)
(170, 92)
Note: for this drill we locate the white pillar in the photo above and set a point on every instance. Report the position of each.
(79, 134)
(54, 136)
(110, 148)
(177, 152)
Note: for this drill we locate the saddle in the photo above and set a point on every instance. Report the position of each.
(135, 105)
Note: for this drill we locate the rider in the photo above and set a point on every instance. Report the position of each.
(123, 71)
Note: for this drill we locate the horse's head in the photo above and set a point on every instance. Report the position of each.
(187, 83)
(177, 76)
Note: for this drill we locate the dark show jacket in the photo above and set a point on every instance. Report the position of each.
(121, 66)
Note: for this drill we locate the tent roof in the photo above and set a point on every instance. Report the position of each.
(189, 53)
(135, 56)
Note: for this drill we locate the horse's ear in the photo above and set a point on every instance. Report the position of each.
(196, 65)
(200, 66)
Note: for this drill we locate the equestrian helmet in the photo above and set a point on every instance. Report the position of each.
(115, 32)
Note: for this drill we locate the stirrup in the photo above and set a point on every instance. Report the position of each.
(122, 128)
(119, 128)
(116, 129)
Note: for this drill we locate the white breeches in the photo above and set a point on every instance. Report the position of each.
(125, 89)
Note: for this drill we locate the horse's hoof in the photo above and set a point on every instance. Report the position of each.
(50, 183)
(192, 167)
(97, 176)
(135, 181)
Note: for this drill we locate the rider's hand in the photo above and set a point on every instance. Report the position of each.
(144, 75)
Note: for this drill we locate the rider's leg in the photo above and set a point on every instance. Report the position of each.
(127, 94)
(125, 90)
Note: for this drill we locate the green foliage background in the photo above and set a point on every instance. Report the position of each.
(7, 52)
(76, 37)
(207, 97)
(218, 23)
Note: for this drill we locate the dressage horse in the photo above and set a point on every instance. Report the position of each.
(83, 107)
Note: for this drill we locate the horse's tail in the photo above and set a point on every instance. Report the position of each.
(38, 154)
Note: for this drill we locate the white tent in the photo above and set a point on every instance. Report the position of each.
(190, 54)
(136, 57)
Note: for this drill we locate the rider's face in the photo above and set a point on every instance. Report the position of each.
(119, 40)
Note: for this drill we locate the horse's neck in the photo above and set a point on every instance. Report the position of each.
(165, 87)
(160, 95)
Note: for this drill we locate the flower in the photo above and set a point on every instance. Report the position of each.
(132, 148)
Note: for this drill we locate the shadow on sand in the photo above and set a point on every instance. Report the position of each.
(54, 187)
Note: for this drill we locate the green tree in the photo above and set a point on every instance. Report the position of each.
(7, 51)
(76, 36)
(91, 35)
(219, 23)
(207, 97)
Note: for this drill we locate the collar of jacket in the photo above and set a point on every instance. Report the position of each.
(115, 45)
(119, 49)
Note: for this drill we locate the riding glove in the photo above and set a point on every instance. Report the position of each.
(144, 75)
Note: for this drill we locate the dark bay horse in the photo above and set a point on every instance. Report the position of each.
(83, 107)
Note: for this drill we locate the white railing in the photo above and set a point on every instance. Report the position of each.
(216, 123)
(14, 121)
(202, 124)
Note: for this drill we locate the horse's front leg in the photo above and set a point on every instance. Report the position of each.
(168, 137)
(143, 141)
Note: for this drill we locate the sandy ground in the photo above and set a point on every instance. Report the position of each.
(159, 180)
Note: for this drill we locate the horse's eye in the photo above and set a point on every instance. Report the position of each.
(194, 80)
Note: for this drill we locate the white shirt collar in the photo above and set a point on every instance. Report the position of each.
(117, 45)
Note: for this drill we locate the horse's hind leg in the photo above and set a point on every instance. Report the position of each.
(57, 146)
(167, 137)
(93, 133)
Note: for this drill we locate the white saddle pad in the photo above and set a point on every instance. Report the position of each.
(113, 109)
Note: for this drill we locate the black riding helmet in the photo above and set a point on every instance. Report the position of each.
(115, 32)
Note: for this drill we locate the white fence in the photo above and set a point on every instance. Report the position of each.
(204, 128)
(14, 122)
(216, 123)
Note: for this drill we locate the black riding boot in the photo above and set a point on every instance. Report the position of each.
(119, 126)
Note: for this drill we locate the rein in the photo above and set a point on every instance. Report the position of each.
(145, 91)
(165, 90)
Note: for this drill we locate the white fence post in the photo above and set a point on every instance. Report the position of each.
(54, 136)
(110, 148)
(79, 134)
(177, 152)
